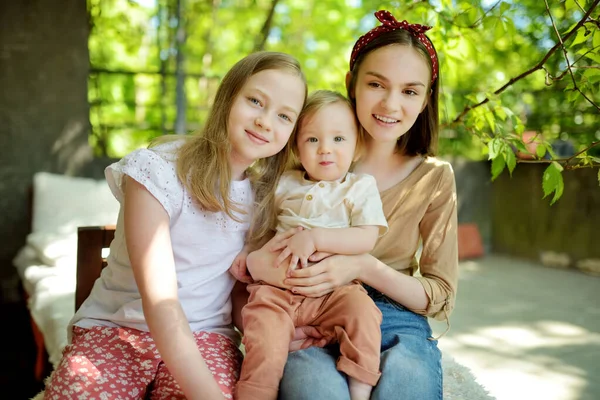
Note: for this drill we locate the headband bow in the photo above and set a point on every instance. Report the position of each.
(389, 24)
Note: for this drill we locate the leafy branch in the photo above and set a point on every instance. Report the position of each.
(535, 68)
(564, 49)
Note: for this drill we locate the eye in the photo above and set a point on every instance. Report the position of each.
(312, 140)
(411, 92)
(375, 84)
(285, 117)
(339, 139)
(254, 100)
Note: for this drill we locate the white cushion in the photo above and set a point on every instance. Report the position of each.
(61, 204)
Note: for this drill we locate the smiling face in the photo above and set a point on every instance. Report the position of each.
(326, 142)
(391, 90)
(263, 115)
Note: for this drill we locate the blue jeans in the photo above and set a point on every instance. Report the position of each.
(410, 362)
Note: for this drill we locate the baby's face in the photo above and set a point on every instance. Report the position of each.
(327, 142)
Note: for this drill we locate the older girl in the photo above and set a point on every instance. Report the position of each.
(158, 321)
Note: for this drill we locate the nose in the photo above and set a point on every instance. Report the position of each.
(262, 121)
(391, 101)
(323, 148)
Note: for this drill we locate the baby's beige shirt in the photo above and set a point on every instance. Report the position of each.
(354, 201)
(424, 206)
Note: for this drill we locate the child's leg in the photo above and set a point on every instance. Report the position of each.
(105, 362)
(350, 315)
(222, 357)
(268, 330)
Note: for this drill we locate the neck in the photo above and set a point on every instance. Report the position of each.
(238, 169)
(379, 153)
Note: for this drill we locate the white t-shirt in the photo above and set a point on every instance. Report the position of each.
(204, 246)
(353, 201)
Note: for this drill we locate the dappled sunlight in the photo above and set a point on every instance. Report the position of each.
(534, 357)
(519, 333)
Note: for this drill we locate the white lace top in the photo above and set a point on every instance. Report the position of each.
(204, 246)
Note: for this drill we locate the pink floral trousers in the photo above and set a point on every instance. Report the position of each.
(122, 363)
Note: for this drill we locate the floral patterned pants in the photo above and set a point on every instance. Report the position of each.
(122, 363)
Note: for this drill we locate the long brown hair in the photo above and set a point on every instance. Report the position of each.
(422, 137)
(203, 160)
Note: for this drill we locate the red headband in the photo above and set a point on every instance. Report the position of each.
(389, 23)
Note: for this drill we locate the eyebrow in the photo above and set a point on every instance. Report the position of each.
(383, 78)
(288, 108)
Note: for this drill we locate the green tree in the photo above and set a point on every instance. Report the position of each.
(507, 68)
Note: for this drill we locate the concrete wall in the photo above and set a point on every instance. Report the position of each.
(44, 123)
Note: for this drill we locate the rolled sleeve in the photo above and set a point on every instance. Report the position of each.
(439, 259)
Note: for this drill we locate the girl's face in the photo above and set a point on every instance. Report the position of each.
(326, 142)
(263, 115)
(392, 88)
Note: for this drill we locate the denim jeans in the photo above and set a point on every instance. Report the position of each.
(410, 362)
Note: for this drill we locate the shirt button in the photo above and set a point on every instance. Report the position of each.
(309, 197)
(321, 185)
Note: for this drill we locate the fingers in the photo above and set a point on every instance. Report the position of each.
(319, 256)
(293, 263)
(303, 262)
(279, 244)
(284, 236)
(314, 291)
(285, 253)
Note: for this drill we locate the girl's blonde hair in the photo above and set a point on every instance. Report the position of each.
(203, 160)
(316, 101)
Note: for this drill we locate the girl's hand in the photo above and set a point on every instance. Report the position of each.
(327, 275)
(238, 268)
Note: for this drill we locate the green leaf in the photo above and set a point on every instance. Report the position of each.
(489, 117)
(494, 148)
(521, 146)
(552, 181)
(504, 7)
(540, 151)
(511, 160)
(570, 4)
(596, 39)
(498, 164)
(579, 38)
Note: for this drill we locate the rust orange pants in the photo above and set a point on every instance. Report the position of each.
(347, 315)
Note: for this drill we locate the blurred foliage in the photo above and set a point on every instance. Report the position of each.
(504, 69)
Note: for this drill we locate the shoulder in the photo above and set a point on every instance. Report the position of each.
(437, 170)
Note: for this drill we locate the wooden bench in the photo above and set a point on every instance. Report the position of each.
(90, 242)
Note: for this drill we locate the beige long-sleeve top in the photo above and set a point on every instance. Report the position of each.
(424, 206)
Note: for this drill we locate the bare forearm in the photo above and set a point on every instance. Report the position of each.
(355, 240)
(175, 342)
(399, 287)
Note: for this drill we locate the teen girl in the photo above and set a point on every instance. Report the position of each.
(157, 323)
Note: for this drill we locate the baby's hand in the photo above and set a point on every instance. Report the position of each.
(300, 246)
(238, 268)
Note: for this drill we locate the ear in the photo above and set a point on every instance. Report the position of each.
(348, 79)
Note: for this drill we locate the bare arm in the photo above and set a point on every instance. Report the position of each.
(355, 240)
(148, 240)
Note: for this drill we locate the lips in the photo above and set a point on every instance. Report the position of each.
(256, 137)
(325, 163)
